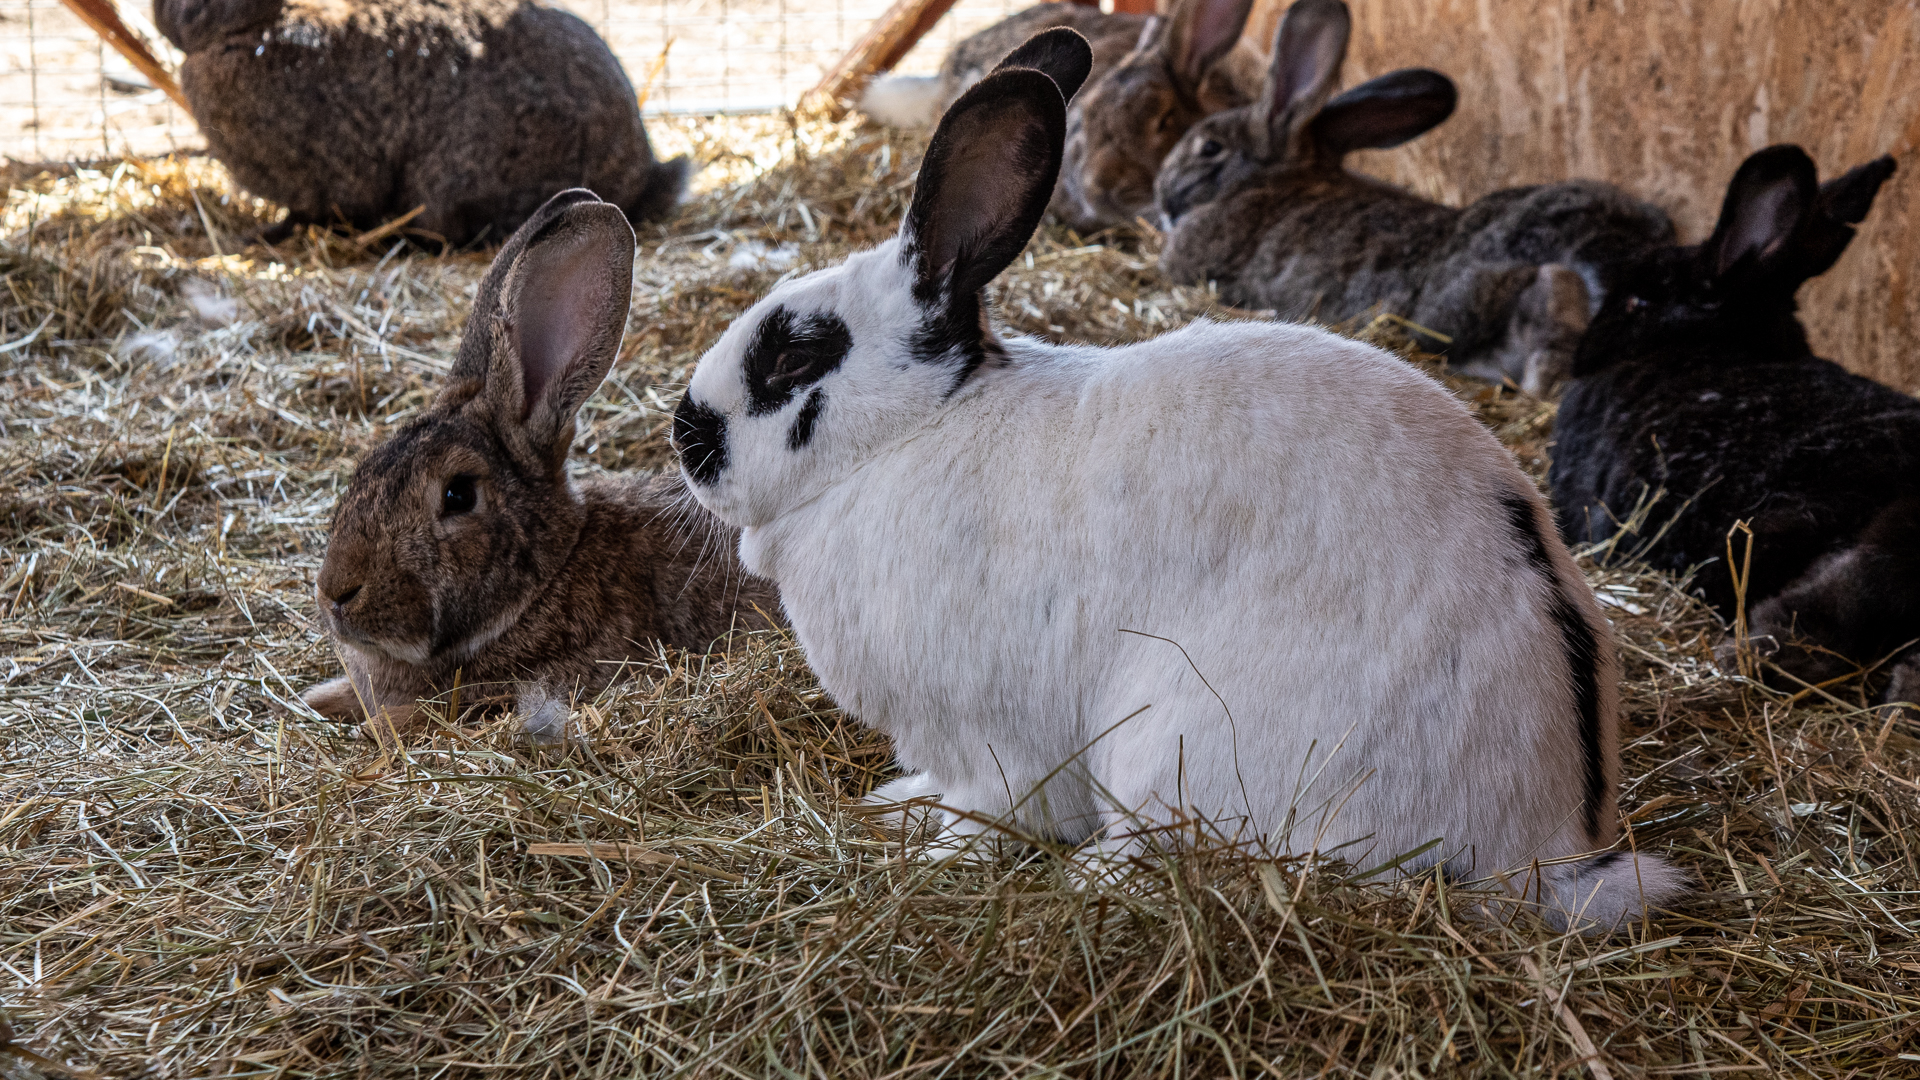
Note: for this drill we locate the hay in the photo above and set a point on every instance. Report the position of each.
(200, 878)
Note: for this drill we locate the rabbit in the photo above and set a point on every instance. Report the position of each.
(1187, 66)
(916, 101)
(1256, 199)
(355, 113)
(462, 553)
(1696, 379)
(1252, 573)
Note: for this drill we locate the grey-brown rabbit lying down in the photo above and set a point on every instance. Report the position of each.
(461, 548)
(1257, 200)
(358, 111)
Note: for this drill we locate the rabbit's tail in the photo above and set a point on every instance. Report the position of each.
(902, 101)
(666, 180)
(1601, 893)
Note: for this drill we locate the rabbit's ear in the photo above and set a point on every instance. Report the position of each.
(1769, 198)
(1386, 111)
(1060, 54)
(476, 341)
(561, 311)
(1843, 202)
(1847, 198)
(1308, 51)
(984, 183)
(1201, 32)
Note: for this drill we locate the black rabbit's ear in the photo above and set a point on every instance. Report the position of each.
(555, 330)
(1769, 198)
(1060, 54)
(1843, 203)
(1308, 51)
(984, 183)
(1847, 198)
(1386, 111)
(1200, 33)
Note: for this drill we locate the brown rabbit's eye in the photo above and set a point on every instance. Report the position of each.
(461, 495)
(1635, 305)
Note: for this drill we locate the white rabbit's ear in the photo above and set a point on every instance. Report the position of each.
(983, 186)
(555, 309)
(1386, 111)
(1767, 201)
(1201, 32)
(1308, 51)
(1060, 54)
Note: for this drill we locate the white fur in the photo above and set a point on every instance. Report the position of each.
(1317, 525)
(903, 101)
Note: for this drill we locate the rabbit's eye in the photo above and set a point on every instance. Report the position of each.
(461, 495)
(791, 366)
(1211, 148)
(1165, 122)
(1635, 305)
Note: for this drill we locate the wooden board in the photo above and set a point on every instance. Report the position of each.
(131, 37)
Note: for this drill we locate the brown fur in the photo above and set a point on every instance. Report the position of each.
(356, 111)
(534, 594)
(1185, 67)
(1111, 37)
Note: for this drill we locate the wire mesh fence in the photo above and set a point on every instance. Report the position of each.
(65, 95)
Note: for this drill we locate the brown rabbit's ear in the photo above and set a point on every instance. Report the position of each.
(1308, 51)
(1200, 33)
(561, 309)
(476, 338)
(1386, 111)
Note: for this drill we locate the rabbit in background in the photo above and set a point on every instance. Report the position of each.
(1257, 200)
(356, 112)
(1153, 77)
(916, 101)
(1254, 574)
(1696, 380)
(1185, 67)
(461, 551)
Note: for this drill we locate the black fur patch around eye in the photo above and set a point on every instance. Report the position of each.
(700, 437)
(801, 433)
(1582, 650)
(789, 354)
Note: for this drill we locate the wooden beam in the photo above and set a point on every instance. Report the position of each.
(129, 37)
(891, 37)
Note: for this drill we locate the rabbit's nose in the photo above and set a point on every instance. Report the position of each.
(345, 597)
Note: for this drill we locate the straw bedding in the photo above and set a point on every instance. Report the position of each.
(200, 878)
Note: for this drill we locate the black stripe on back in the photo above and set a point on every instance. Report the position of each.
(1582, 650)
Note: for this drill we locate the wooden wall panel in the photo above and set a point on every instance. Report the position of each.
(1665, 97)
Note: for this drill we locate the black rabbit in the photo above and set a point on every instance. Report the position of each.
(1696, 380)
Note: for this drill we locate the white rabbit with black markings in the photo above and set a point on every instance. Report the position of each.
(974, 536)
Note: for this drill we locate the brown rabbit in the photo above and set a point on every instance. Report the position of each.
(461, 551)
(356, 111)
(1185, 67)
(916, 101)
(1153, 78)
